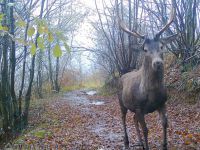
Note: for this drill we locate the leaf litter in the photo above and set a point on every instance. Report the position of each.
(73, 122)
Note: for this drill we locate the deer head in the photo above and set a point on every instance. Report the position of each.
(153, 48)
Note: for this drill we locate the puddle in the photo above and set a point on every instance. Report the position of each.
(74, 98)
(106, 132)
(97, 103)
(91, 93)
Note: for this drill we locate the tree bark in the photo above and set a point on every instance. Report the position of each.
(12, 67)
(24, 66)
(5, 96)
(39, 74)
(57, 87)
(32, 70)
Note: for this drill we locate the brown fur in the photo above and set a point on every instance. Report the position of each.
(142, 92)
(143, 89)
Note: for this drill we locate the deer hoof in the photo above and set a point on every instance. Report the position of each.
(126, 146)
(164, 146)
(126, 143)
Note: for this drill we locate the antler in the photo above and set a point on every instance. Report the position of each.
(172, 15)
(134, 33)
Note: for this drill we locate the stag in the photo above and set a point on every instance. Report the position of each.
(143, 91)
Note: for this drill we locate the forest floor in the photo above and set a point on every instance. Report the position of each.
(77, 121)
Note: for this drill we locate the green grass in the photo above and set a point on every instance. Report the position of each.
(93, 84)
(84, 85)
(71, 88)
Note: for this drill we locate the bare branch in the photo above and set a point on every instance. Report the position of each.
(172, 15)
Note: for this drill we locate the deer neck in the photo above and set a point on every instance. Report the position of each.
(150, 79)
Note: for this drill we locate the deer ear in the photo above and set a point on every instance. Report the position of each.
(168, 39)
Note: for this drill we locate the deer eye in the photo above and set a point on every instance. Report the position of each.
(161, 47)
(145, 50)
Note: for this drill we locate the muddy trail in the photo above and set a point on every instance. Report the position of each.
(83, 120)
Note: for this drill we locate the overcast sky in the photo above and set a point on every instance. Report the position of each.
(85, 33)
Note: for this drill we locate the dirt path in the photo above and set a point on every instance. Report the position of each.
(78, 121)
(101, 123)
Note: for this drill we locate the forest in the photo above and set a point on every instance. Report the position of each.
(62, 62)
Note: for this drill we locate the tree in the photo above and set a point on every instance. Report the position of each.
(24, 36)
(121, 49)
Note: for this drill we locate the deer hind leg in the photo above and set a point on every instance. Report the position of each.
(126, 141)
(162, 114)
(141, 120)
(138, 131)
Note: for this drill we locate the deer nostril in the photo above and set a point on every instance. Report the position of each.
(159, 63)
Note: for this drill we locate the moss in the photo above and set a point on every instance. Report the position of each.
(40, 134)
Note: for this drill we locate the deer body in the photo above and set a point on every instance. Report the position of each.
(143, 91)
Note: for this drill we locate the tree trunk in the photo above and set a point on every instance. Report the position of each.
(39, 75)
(57, 87)
(12, 66)
(50, 67)
(24, 67)
(32, 70)
(5, 96)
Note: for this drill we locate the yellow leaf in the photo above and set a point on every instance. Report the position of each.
(50, 37)
(42, 29)
(33, 49)
(1, 16)
(5, 28)
(57, 51)
(31, 31)
(190, 135)
(40, 42)
(187, 142)
(20, 23)
(46, 30)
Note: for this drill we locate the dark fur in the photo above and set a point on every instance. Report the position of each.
(143, 92)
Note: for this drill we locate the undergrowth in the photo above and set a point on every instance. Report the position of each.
(36, 110)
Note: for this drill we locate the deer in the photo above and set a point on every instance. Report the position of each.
(143, 91)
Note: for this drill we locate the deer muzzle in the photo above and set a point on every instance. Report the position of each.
(157, 63)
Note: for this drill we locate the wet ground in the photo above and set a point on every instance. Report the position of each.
(103, 125)
(82, 120)
(105, 122)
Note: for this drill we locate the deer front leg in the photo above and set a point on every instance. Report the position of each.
(140, 118)
(162, 114)
(138, 131)
(124, 112)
